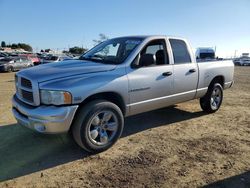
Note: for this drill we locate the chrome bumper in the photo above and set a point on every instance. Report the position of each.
(228, 84)
(44, 119)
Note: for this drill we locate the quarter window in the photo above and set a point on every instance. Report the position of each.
(180, 51)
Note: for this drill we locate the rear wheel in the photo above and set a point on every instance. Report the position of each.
(98, 125)
(211, 102)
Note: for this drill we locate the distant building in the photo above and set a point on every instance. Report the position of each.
(10, 50)
(6, 49)
(245, 55)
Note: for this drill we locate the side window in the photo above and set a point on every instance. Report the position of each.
(180, 51)
(158, 49)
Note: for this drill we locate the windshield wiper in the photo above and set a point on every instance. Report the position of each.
(98, 59)
(94, 57)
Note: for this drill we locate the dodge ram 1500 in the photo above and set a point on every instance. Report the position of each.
(118, 78)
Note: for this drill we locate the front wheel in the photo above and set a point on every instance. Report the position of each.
(10, 69)
(211, 102)
(98, 125)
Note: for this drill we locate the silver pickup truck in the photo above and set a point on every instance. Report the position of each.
(118, 78)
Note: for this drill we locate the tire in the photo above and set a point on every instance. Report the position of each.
(211, 102)
(10, 69)
(97, 126)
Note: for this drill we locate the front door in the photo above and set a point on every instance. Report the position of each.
(150, 86)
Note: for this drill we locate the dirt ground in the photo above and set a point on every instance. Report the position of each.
(173, 147)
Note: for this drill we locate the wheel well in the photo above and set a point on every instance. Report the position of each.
(218, 79)
(109, 96)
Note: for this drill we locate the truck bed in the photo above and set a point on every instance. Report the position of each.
(209, 69)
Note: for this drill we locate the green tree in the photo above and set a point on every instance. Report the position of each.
(77, 50)
(3, 44)
(14, 46)
(102, 38)
(24, 46)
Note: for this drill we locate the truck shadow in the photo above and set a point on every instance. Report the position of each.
(23, 151)
(157, 118)
(239, 181)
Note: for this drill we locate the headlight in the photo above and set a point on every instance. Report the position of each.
(55, 97)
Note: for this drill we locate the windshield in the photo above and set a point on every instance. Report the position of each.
(113, 51)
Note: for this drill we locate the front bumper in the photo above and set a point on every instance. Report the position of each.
(228, 84)
(43, 119)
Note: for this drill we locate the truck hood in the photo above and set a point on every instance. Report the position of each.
(64, 69)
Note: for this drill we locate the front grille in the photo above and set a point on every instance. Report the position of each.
(25, 90)
(27, 95)
(26, 83)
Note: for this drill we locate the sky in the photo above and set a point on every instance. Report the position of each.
(60, 24)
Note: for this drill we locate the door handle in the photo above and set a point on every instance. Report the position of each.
(167, 73)
(192, 70)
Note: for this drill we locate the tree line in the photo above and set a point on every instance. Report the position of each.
(23, 46)
(73, 50)
(81, 50)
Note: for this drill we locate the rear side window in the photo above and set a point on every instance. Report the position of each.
(180, 51)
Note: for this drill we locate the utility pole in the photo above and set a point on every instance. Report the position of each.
(235, 53)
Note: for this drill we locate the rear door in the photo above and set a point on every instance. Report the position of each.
(185, 71)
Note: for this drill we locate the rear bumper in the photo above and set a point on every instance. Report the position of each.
(44, 119)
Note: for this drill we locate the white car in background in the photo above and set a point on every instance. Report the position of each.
(55, 58)
(242, 61)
